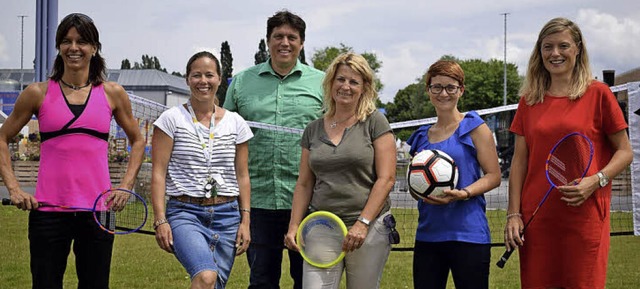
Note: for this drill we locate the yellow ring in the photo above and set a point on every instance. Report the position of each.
(333, 218)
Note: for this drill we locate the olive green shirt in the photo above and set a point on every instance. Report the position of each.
(258, 94)
(344, 173)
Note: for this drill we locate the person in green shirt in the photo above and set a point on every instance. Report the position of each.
(284, 92)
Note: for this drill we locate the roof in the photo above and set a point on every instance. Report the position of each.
(628, 76)
(147, 78)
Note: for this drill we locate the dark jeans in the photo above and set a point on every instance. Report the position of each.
(469, 264)
(268, 228)
(51, 235)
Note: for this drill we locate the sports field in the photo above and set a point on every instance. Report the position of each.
(139, 263)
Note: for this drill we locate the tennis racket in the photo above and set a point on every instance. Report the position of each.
(567, 163)
(131, 218)
(320, 237)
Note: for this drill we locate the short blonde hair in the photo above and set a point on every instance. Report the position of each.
(538, 80)
(367, 103)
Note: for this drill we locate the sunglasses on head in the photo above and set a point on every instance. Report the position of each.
(80, 16)
(394, 235)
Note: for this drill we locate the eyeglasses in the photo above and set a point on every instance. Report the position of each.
(437, 88)
(394, 235)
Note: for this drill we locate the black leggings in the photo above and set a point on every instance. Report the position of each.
(51, 235)
(468, 262)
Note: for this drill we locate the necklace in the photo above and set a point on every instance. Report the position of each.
(73, 86)
(334, 123)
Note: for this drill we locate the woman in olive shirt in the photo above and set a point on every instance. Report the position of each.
(348, 167)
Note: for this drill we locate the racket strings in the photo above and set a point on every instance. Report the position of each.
(322, 241)
(107, 219)
(322, 247)
(570, 160)
(130, 218)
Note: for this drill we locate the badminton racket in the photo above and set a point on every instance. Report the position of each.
(567, 163)
(119, 221)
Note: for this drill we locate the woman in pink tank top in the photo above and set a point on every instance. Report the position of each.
(74, 110)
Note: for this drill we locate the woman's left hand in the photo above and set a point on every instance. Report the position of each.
(243, 239)
(117, 200)
(575, 195)
(355, 237)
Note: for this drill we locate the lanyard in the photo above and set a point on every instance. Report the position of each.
(212, 126)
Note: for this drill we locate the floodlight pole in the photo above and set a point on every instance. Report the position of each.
(504, 95)
(21, 48)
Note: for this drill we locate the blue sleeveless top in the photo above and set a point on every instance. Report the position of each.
(463, 221)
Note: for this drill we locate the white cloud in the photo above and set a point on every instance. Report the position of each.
(407, 35)
(612, 41)
(402, 64)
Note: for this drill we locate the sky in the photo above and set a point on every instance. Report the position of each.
(406, 35)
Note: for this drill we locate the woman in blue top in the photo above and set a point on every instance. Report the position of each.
(453, 233)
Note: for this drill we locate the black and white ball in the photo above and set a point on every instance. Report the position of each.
(430, 172)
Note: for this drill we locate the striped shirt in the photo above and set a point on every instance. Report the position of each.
(187, 171)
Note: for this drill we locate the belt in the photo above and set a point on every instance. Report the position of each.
(205, 201)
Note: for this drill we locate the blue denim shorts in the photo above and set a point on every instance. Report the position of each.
(204, 237)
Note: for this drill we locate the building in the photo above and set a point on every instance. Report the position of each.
(152, 84)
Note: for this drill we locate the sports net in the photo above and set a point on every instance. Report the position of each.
(145, 112)
(403, 205)
(499, 120)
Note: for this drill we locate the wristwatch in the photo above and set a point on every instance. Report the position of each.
(364, 220)
(604, 180)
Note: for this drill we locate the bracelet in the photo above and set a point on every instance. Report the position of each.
(513, 215)
(157, 223)
(468, 194)
(245, 210)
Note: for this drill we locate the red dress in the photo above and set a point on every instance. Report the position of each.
(566, 246)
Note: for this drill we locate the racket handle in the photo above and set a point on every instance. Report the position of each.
(6, 202)
(504, 258)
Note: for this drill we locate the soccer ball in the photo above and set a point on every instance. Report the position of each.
(430, 172)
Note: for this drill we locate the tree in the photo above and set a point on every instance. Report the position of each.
(322, 59)
(148, 62)
(226, 63)
(484, 84)
(409, 103)
(262, 55)
(125, 64)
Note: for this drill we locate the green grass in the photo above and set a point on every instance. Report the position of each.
(138, 262)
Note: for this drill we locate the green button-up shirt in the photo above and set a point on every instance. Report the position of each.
(258, 94)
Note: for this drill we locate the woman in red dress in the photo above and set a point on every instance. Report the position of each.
(567, 245)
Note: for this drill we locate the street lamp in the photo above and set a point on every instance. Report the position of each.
(504, 95)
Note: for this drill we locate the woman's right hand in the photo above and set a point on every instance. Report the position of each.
(447, 196)
(23, 200)
(513, 237)
(164, 237)
(290, 239)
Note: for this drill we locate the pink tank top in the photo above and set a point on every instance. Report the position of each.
(74, 168)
